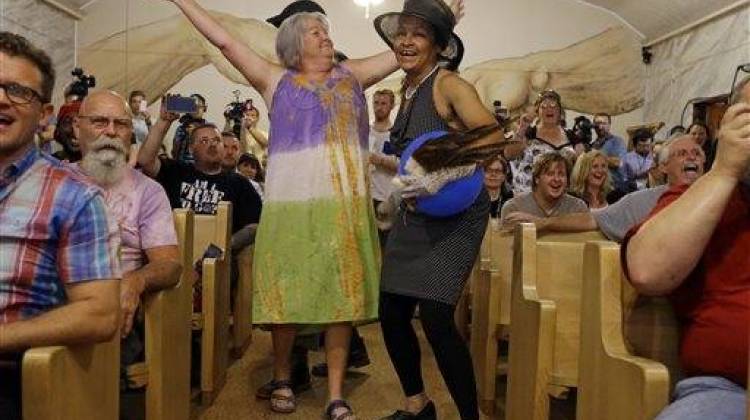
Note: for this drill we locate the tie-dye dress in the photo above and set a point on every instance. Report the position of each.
(316, 254)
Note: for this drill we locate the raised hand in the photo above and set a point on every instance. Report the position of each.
(733, 151)
(165, 115)
(457, 7)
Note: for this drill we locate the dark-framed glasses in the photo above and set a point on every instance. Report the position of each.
(20, 94)
(101, 122)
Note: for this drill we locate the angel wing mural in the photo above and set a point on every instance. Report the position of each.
(599, 74)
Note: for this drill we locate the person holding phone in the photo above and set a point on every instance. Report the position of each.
(192, 117)
(141, 117)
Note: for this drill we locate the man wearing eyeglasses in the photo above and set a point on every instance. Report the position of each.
(149, 257)
(201, 185)
(694, 250)
(59, 271)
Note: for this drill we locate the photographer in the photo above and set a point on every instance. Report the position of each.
(180, 144)
(501, 114)
(141, 117)
(583, 133)
(63, 130)
(64, 135)
(242, 119)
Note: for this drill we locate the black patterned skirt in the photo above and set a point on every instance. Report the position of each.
(431, 258)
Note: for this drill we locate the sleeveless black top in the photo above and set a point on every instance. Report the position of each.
(419, 116)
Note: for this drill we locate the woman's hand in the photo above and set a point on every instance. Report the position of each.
(457, 7)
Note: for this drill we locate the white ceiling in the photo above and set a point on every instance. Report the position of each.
(653, 19)
(657, 18)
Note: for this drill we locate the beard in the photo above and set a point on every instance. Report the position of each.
(105, 161)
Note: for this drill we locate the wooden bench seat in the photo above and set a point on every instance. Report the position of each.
(545, 319)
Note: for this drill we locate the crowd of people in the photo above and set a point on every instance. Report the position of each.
(84, 234)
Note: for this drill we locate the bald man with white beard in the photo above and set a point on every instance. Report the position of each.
(149, 255)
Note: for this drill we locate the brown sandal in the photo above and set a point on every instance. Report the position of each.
(281, 403)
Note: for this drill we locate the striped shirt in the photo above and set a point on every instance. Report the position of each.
(53, 232)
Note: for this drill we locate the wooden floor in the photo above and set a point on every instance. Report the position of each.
(373, 391)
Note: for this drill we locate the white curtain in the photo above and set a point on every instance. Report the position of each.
(700, 63)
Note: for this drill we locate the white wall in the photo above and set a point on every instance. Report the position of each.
(45, 26)
(700, 63)
(490, 29)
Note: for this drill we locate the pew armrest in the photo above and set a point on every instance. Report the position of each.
(66, 383)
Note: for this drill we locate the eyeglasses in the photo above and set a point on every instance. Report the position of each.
(211, 141)
(20, 94)
(100, 122)
(489, 171)
(683, 153)
(548, 105)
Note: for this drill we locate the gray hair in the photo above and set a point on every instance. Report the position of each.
(289, 42)
(665, 149)
(737, 91)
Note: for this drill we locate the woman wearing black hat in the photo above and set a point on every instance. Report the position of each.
(427, 260)
(316, 255)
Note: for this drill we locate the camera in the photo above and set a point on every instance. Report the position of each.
(501, 113)
(583, 130)
(235, 112)
(81, 84)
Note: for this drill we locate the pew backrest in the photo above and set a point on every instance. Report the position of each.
(613, 382)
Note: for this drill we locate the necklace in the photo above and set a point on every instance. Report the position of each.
(411, 90)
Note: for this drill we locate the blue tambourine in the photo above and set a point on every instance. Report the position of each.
(455, 196)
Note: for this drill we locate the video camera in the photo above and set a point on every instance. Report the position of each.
(235, 112)
(81, 83)
(501, 114)
(583, 130)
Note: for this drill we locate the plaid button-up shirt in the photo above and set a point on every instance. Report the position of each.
(53, 232)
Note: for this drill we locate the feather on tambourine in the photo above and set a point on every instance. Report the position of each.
(448, 162)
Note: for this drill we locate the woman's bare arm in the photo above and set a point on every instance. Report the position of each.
(261, 73)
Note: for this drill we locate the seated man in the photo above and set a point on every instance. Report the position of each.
(200, 186)
(637, 163)
(694, 249)
(59, 272)
(548, 195)
(231, 151)
(682, 163)
(149, 257)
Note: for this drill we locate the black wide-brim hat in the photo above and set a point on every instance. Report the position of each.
(437, 14)
(294, 8)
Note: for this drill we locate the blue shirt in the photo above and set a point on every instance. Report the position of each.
(614, 146)
(634, 169)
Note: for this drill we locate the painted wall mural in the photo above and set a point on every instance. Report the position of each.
(601, 73)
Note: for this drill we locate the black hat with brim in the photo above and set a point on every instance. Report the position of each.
(437, 14)
(293, 8)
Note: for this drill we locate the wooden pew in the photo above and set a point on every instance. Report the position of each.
(70, 383)
(214, 317)
(613, 383)
(243, 304)
(490, 313)
(545, 325)
(168, 318)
